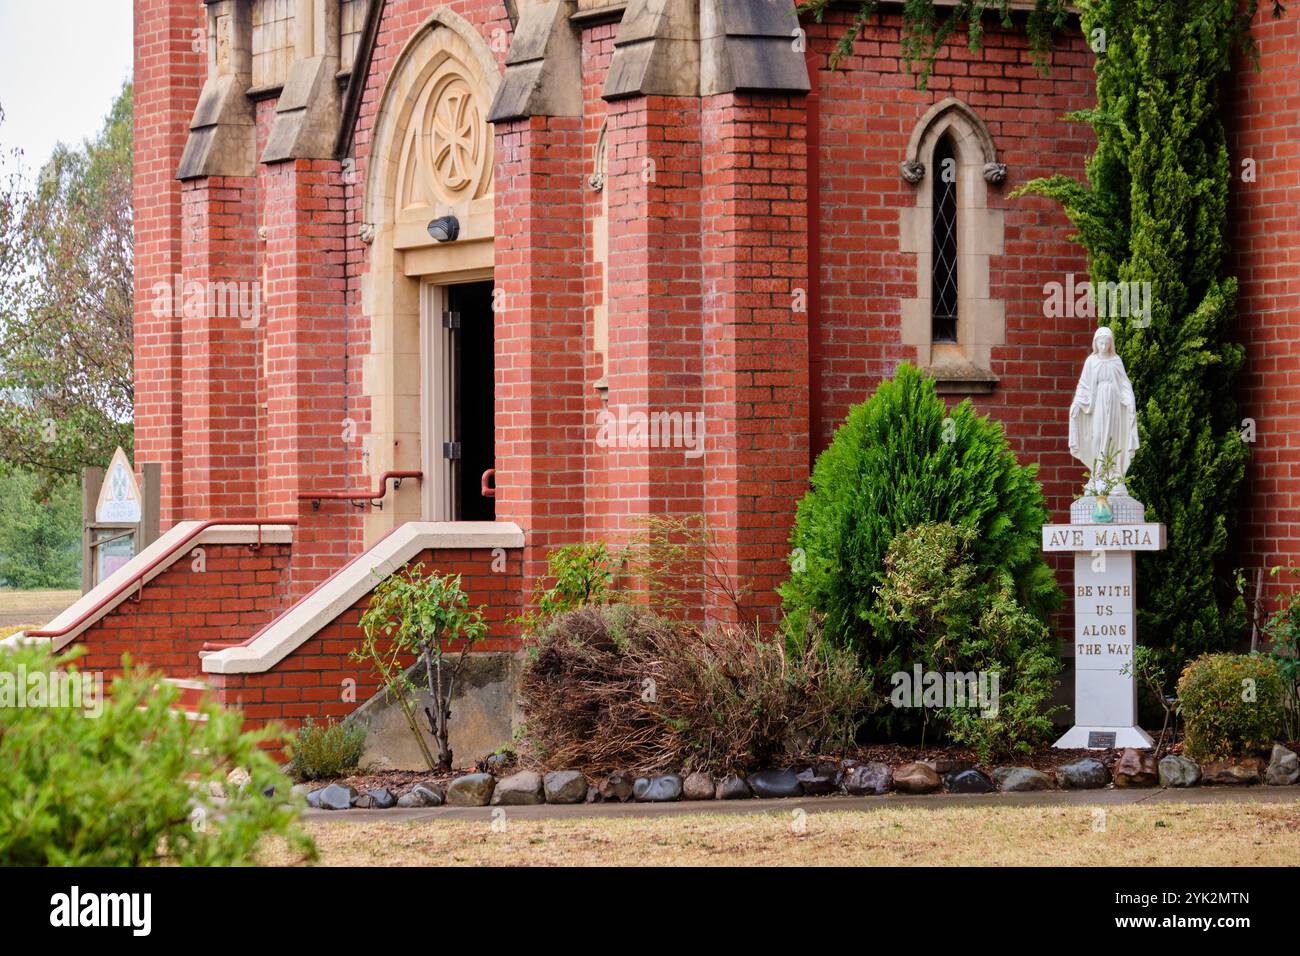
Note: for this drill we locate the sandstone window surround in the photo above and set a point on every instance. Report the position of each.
(352, 17)
(963, 366)
(273, 41)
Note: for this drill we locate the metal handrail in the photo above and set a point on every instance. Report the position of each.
(359, 498)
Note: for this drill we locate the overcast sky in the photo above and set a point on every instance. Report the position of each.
(61, 64)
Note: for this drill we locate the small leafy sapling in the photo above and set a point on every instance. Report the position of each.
(423, 614)
(579, 575)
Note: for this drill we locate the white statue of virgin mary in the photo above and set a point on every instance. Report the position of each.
(1103, 417)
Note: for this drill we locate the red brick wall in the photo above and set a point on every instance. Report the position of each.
(236, 593)
(869, 108)
(540, 374)
(654, 178)
(222, 351)
(755, 347)
(308, 442)
(1266, 241)
(704, 257)
(168, 75)
(310, 682)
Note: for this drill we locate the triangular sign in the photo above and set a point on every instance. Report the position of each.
(119, 496)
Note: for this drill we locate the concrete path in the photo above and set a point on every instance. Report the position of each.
(1107, 797)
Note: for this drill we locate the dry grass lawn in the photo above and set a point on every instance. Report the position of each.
(1224, 834)
(25, 609)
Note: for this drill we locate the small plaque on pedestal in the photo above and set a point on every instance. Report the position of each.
(1105, 601)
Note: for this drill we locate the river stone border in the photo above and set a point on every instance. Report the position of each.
(1133, 768)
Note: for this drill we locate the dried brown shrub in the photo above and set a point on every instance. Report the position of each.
(619, 688)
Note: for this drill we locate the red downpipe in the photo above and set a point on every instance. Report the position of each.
(813, 140)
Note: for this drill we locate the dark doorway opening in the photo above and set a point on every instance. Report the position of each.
(474, 415)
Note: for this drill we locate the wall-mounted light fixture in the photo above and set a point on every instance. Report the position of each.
(446, 229)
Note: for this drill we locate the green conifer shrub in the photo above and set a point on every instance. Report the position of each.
(901, 460)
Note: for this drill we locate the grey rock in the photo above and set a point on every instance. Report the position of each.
(698, 786)
(617, 786)
(378, 799)
(1178, 771)
(421, 795)
(771, 784)
(1283, 767)
(869, 779)
(565, 786)
(732, 787)
(817, 781)
(471, 790)
(1022, 779)
(842, 774)
(337, 797)
(946, 765)
(593, 795)
(968, 781)
(1085, 774)
(313, 798)
(662, 789)
(522, 789)
(300, 790)
(916, 778)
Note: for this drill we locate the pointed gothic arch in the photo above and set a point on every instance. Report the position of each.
(956, 346)
(431, 155)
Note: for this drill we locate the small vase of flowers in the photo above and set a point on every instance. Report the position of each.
(1101, 483)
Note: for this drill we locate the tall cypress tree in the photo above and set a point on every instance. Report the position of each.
(1154, 210)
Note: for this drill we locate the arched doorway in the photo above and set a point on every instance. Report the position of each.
(429, 375)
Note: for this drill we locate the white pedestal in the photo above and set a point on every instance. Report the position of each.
(1105, 596)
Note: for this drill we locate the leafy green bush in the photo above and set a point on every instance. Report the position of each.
(131, 785)
(942, 614)
(320, 752)
(581, 574)
(420, 613)
(1231, 704)
(620, 688)
(1283, 632)
(901, 460)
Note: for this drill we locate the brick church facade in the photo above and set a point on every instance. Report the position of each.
(439, 246)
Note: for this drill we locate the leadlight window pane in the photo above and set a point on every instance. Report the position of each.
(944, 274)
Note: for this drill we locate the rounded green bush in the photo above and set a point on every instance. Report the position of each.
(121, 777)
(1231, 704)
(901, 460)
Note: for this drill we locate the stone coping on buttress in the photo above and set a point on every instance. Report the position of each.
(352, 582)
